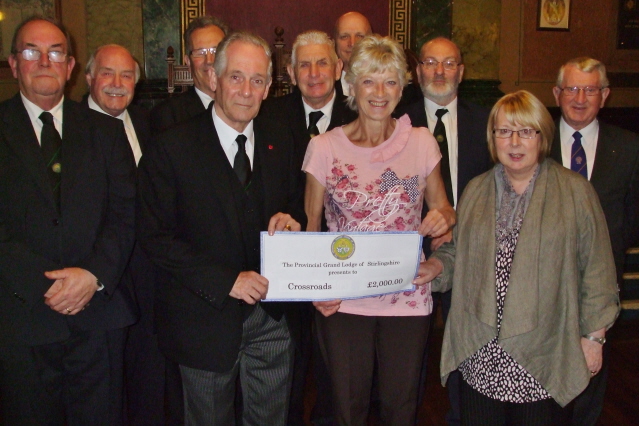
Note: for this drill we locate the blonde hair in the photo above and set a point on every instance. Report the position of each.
(585, 64)
(376, 54)
(523, 108)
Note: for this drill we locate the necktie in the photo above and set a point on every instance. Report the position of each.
(578, 161)
(440, 136)
(242, 164)
(313, 118)
(50, 143)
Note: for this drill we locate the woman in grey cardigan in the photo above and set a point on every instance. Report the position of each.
(532, 274)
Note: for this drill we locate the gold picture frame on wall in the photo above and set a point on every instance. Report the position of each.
(553, 15)
(13, 12)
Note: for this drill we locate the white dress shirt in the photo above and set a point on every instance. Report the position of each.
(589, 137)
(450, 122)
(227, 136)
(327, 110)
(34, 112)
(128, 128)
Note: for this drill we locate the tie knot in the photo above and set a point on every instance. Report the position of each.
(314, 117)
(577, 137)
(440, 112)
(46, 117)
(241, 141)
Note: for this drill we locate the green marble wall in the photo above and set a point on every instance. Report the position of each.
(476, 25)
(430, 19)
(115, 21)
(161, 30)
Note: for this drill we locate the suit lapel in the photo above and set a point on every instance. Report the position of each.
(298, 120)
(20, 136)
(465, 151)
(193, 104)
(141, 127)
(605, 157)
(215, 163)
(76, 135)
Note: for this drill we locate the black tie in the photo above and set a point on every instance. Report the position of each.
(50, 143)
(313, 118)
(242, 164)
(440, 136)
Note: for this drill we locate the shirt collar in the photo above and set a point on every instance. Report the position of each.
(227, 134)
(589, 133)
(34, 111)
(326, 109)
(124, 116)
(432, 107)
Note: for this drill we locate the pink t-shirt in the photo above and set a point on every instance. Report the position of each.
(374, 190)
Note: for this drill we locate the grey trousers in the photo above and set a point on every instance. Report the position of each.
(264, 365)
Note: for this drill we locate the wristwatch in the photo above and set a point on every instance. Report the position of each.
(600, 340)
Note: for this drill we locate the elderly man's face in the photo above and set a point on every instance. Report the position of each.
(315, 73)
(112, 80)
(579, 110)
(350, 28)
(243, 85)
(438, 84)
(203, 38)
(41, 81)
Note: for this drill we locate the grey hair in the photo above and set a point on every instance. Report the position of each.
(202, 22)
(90, 68)
(373, 54)
(240, 36)
(585, 64)
(313, 37)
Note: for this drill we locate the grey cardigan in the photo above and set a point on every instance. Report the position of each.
(562, 283)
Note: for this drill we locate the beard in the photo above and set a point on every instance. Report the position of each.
(438, 92)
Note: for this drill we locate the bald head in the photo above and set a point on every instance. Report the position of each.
(350, 28)
(111, 74)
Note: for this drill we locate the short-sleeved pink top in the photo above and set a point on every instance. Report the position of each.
(374, 190)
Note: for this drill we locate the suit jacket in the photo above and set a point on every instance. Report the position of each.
(93, 231)
(289, 109)
(561, 286)
(473, 157)
(176, 109)
(189, 224)
(615, 177)
(139, 117)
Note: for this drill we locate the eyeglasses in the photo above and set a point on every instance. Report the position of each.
(431, 63)
(34, 55)
(588, 90)
(508, 133)
(200, 53)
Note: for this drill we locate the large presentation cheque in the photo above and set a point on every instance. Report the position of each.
(306, 266)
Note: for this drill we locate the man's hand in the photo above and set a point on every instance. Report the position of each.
(328, 307)
(428, 271)
(436, 243)
(283, 221)
(250, 287)
(436, 223)
(72, 290)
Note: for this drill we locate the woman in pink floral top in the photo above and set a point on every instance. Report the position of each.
(372, 176)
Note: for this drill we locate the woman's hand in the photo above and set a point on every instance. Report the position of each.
(281, 222)
(428, 271)
(437, 222)
(593, 352)
(328, 307)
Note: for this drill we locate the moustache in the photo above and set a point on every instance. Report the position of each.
(119, 91)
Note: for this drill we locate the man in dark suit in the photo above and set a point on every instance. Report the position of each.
(153, 385)
(312, 108)
(67, 188)
(609, 157)
(461, 134)
(206, 190)
(200, 40)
